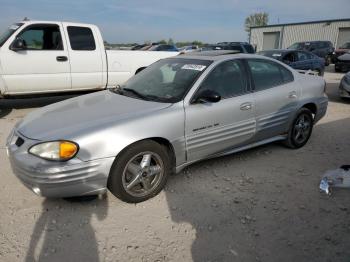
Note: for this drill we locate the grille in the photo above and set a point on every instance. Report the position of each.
(19, 141)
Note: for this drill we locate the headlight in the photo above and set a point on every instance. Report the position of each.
(55, 150)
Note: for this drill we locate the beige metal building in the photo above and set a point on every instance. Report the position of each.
(284, 35)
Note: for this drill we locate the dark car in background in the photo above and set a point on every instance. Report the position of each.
(163, 47)
(242, 47)
(345, 48)
(297, 59)
(342, 63)
(322, 49)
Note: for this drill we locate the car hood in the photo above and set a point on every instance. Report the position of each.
(97, 110)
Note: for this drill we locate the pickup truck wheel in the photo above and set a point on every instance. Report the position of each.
(140, 172)
(300, 130)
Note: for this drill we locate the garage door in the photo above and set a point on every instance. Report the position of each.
(343, 36)
(271, 40)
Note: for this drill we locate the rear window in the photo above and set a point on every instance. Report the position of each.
(81, 38)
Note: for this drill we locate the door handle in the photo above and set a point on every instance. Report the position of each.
(292, 95)
(62, 58)
(246, 106)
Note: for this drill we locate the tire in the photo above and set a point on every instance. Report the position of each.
(336, 69)
(144, 167)
(328, 60)
(305, 127)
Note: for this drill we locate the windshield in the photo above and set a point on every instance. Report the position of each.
(345, 46)
(167, 80)
(9, 31)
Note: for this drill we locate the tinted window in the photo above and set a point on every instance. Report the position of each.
(81, 38)
(227, 79)
(267, 74)
(42, 37)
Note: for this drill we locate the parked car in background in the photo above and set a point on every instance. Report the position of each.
(46, 57)
(345, 48)
(301, 60)
(342, 63)
(242, 47)
(175, 112)
(322, 49)
(344, 87)
(138, 47)
(188, 49)
(164, 47)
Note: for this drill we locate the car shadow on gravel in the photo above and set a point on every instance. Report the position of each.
(263, 204)
(63, 231)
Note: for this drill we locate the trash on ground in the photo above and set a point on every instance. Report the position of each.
(335, 178)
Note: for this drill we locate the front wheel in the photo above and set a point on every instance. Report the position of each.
(301, 129)
(140, 172)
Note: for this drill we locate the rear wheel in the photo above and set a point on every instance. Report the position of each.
(301, 129)
(140, 172)
(328, 60)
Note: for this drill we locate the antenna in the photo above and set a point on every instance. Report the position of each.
(26, 19)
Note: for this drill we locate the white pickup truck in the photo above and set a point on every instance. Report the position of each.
(45, 57)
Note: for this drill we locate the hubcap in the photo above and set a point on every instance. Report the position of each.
(302, 129)
(142, 174)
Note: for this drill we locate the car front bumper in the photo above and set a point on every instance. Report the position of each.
(57, 179)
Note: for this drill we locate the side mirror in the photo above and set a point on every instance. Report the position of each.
(18, 45)
(207, 96)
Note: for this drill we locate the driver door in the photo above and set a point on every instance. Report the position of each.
(42, 66)
(211, 128)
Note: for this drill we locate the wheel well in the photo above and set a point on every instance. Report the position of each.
(166, 143)
(312, 107)
(139, 70)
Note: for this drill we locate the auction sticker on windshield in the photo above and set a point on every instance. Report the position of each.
(193, 67)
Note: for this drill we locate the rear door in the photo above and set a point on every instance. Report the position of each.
(275, 95)
(86, 57)
(44, 64)
(214, 127)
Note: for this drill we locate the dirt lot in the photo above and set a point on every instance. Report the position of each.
(258, 205)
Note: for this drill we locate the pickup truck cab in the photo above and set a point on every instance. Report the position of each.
(46, 57)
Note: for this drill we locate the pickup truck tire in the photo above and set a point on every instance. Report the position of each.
(140, 172)
(300, 130)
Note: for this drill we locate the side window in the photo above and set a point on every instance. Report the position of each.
(81, 38)
(42, 37)
(228, 79)
(267, 74)
(302, 56)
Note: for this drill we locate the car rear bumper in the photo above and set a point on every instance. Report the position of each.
(321, 108)
(58, 179)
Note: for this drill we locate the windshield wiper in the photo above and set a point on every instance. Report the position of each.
(135, 93)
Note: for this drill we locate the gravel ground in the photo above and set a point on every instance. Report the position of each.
(259, 205)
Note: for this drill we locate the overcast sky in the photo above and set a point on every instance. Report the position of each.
(139, 20)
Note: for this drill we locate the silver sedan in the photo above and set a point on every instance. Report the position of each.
(176, 112)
